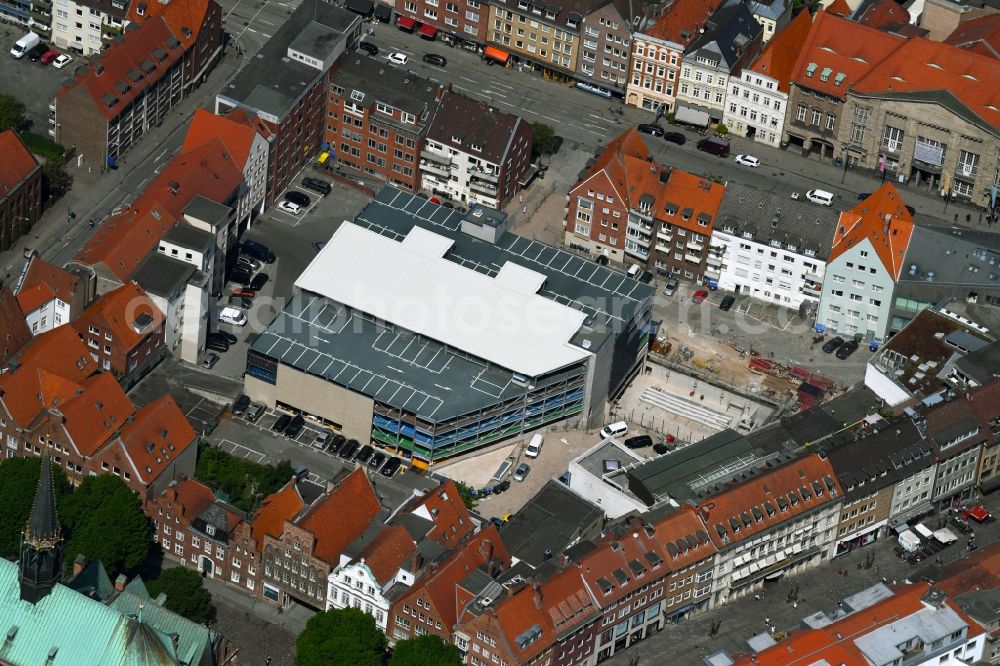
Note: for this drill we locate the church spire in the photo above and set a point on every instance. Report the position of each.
(41, 551)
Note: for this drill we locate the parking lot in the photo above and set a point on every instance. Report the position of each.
(32, 83)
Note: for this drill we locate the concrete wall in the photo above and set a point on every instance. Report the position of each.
(193, 321)
(318, 397)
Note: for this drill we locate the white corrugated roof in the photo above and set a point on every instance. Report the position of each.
(410, 284)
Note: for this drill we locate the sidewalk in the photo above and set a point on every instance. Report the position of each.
(56, 236)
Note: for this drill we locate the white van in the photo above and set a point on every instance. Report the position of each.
(614, 430)
(25, 44)
(534, 446)
(232, 316)
(633, 270)
(821, 197)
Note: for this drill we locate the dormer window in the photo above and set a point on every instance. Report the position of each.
(210, 530)
(357, 95)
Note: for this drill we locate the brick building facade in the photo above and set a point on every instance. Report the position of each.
(20, 189)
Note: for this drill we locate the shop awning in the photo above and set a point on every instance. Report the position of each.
(428, 31)
(944, 535)
(496, 54)
(406, 22)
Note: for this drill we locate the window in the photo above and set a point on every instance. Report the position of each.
(800, 112)
(892, 139)
(968, 163)
(817, 115)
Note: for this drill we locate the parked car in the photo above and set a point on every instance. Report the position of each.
(295, 426)
(223, 335)
(62, 61)
(727, 302)
(232, 316)
(435, 59)
(365, 453)
(833, 344)
(258, 281)
(714, 146)
(847, 349)
(376, 460)
(298, 198)
(337, 441)
(240, 276)
(48, 57)
(289, 207)
(24, 44)
(255, 412)
(521, 473)
(210, 361)
(249, 263)
(661, 448)
(217, 344)
(241, 404)
(534, 448)
(651, 129)
(638, 441)
(747, 161)
(369, 48)
(281, 423)
(349, 449)
(397, 58)
(699, 296)
(245, 293)
(258, 251)
(322, 440)
(35, 54)
(390, 467)
(671, 287)
(675, 137)
(317, 185)
(240, 302)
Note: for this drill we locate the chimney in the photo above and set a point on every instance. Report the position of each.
(887, 225)
(664, 176)
(98, 69)
(120, 582)
(536, 595)
(79, 563)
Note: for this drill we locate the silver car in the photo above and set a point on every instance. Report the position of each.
(521, 472)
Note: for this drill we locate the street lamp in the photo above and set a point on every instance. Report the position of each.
(844, 177)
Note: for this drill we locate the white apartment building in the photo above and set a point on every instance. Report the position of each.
(770, 247)
(80, 26)
(655, 70)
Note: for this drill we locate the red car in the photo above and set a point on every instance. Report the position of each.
(244, 294)
(48, 57)
(699, 296)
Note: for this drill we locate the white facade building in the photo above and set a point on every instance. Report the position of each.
(755, 108)
(769, 247)
(79, 27)
(596, 476)
(355, 586)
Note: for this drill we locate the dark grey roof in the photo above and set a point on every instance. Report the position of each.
(162, 276)
(982, 365)
(880, 459)
(381, 82)
(477, 123)
(552, 520)
(982, 605)
(727, 36)
(955, 257)
(190, 237)
(772, 9)
(768, 216)
(272, 82)
(42, 530)
(954, 429)
(208, 211)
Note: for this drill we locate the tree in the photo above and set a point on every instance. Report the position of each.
(56, 179)
(104, 520)
(11, 113)
(18, 480)
(543, 138)
(340, 637)
(244, 482)
(186, 594)
(426, 650)
(465, 492)
(721, 130)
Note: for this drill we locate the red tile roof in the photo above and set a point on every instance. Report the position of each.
(920, 64)
(236, 136)
(884, 15)
(839, 8)
(50, 369)
(107, 78)
(867, 221)
(116, 312)
(611, 163)
(43, 282)
(782, 51)
(838, 47)
(978, 571)
(341, 516)
(980, 35)
(835, 643)
(636, 556)
(556, 606)
(387, 552)
(17, 163)
(777, 495)
(682, 20)
(14, 332)
(126, 238)
(687, 534)
(156, 436)
(445, 508)
(440, 583)
(184, 17)
(192, 496)
(93, 416)
(985, 402)
(276, 508)
(254, 122)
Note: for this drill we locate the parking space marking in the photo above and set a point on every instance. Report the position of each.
(237, 449)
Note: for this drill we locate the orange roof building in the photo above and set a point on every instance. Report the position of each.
(20, 189)
(14, 332)
(866, 260)
(979, 35)
(50, 296)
